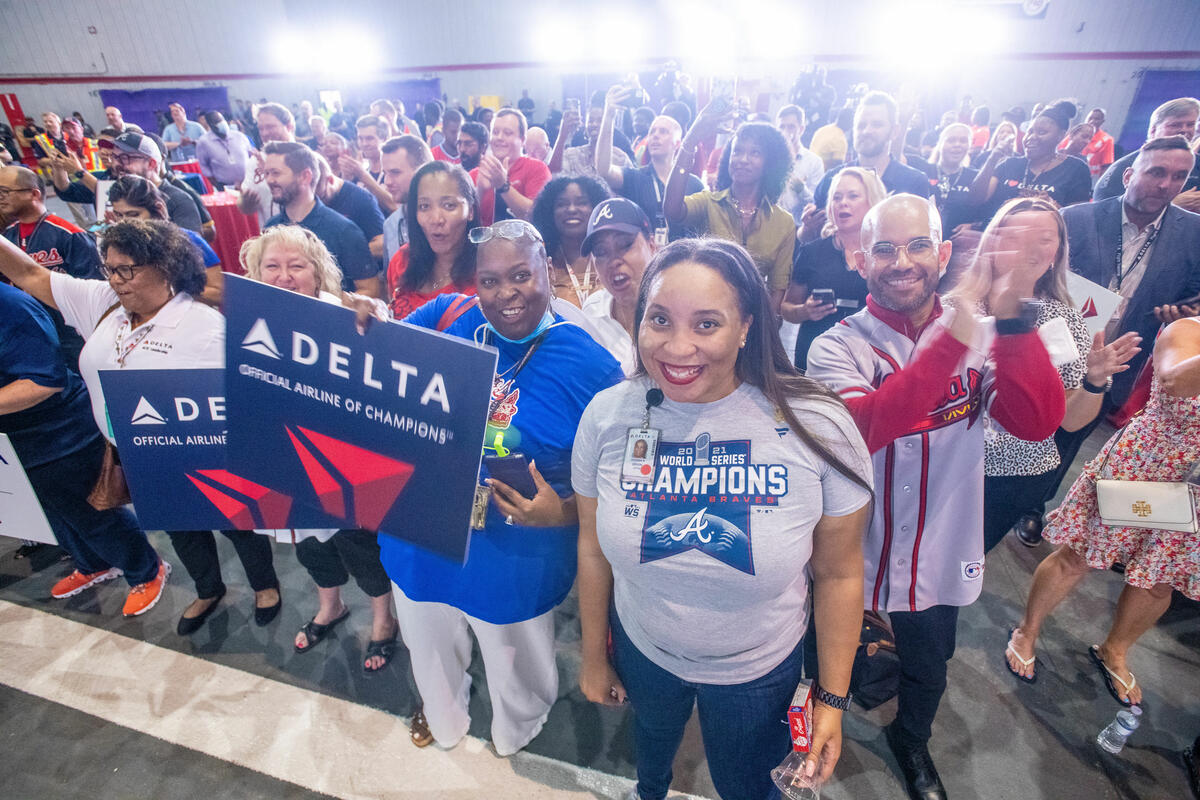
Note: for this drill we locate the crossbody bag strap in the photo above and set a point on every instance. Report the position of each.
(461, 305)
(107, 311)
(1103, 464)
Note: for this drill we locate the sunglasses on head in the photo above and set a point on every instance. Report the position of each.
(511, 229)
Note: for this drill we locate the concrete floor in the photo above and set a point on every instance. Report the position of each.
(994, 737)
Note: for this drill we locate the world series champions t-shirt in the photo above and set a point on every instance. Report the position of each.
(710, 559)
(513, 573)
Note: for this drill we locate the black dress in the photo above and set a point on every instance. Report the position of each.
(821, 265)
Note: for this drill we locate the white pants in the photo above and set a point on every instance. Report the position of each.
(518, 660)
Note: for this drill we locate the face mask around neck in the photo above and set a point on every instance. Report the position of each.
(547, 321)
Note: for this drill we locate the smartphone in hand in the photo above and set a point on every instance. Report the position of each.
(514, 471)
(825, 297)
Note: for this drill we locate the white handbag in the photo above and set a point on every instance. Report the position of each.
(1163, 505)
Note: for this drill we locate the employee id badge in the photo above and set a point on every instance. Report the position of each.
(662, 237)
(479, 507)
(641, 446)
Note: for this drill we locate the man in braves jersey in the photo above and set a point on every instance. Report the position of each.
(917, 379)
(51, 241)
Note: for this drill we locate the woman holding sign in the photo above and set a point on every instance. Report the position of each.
(696, 559)
(146, 316)
(1029, 234)
(521, 562)
(293, 258)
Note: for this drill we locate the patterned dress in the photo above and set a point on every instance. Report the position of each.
(1160, 445)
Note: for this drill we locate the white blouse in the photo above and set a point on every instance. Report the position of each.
(184, 334)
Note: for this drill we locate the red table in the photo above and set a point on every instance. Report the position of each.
(193, 166)
(233, 228)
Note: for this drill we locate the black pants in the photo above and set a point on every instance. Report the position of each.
(925, 642)
(97, 540)
(198, 552)
(1006, 498)
(349, 552)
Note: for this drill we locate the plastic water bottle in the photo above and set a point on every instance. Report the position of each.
(1113, 737)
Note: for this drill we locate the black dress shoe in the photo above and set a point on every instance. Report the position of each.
(1191, 765)
(263, 616)
(189, 625)
(920, 776)
(1029, 530)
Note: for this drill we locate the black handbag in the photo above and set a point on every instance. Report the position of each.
(875, 678)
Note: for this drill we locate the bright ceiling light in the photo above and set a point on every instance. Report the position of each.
(556, 40)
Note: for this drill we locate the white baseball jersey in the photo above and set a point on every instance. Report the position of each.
(925, 543)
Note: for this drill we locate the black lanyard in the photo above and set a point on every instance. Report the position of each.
(516, 370)
(1137, 259)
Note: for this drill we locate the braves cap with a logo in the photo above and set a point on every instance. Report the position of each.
(615, 214)
(137, 144)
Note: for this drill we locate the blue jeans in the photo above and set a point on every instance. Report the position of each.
(744, 726)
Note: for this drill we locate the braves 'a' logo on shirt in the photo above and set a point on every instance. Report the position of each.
(702, 498)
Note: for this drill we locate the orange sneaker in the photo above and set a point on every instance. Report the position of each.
(77, 581)
(143, 596)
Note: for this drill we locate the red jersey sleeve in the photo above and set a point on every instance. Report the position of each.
(1029, 398)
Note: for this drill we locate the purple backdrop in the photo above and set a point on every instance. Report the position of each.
(138, 107)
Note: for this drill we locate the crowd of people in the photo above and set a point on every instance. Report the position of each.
(726, 504)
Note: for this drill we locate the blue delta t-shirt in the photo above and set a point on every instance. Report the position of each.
(62, 423)
(514, 573)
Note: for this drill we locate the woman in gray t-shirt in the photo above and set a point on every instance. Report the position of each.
(758, 482)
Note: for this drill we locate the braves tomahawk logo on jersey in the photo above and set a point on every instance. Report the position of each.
(705, 496)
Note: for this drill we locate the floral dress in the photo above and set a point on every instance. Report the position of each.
(1159, 445)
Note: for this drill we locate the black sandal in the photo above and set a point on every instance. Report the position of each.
(315, 632)
(382, 648)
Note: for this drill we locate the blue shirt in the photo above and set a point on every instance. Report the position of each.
(360, 207)
(514, 573)
(185, 152)
(343, 238)
(211, 259)
(897, 179)
(61, 424)
(59, 245)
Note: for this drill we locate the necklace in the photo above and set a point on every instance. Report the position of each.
(582, 288)
(945, 184)
(746, 214)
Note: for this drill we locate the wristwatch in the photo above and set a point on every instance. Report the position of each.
(1088, 387)
(832, 700)
(78, 174)
(503, 188)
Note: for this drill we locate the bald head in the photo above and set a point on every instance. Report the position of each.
(907, 209)
(18, 177)
(24, 199)
(903, 256)
(537, 144)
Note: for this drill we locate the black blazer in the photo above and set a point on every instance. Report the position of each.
(1172, 274)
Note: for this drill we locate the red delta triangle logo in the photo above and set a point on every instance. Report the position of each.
(1089, 309)
(351, 483)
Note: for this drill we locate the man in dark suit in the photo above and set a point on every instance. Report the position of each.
(1139, 245)
(1176, 117)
